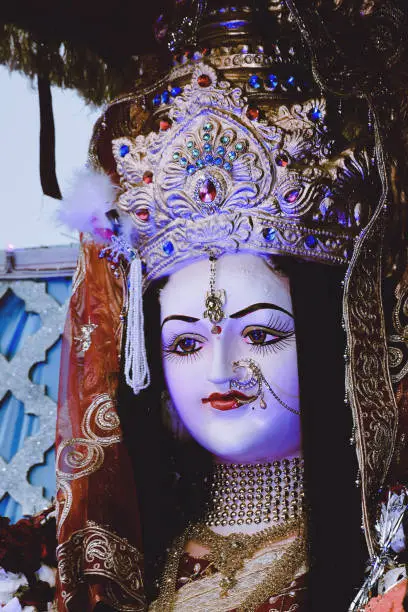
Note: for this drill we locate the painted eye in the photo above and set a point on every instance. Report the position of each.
(264, 336)
(257, 336)
(186, 345)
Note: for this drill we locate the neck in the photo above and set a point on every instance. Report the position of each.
(255, 496)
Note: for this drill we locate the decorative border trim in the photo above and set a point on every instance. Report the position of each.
(97, 551)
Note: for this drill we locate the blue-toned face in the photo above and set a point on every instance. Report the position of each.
(205, 382)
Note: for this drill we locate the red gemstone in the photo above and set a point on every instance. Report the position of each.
(216, 329)
(282, 160)
(253, 113)
(148, 177)
(204, 80)
(143, 214)
(164, 125)
(207, 191)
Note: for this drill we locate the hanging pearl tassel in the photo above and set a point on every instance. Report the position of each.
(136, 367)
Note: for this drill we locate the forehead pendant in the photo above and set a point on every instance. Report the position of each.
(214, 301)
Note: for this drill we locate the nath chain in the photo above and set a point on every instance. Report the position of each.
(255, 378)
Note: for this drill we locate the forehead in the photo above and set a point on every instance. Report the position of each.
(246, 279)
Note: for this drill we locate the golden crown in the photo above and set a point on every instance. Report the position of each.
(215, 179)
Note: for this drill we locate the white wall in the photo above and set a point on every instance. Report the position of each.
(26, 215)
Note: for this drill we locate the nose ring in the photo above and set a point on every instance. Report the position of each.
(250, 376)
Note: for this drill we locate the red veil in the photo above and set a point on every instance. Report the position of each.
(99, 538)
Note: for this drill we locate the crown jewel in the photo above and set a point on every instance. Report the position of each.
(217, 180)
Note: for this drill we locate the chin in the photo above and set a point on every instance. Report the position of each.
(236, 451)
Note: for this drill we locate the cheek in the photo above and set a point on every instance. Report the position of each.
(184, 379)
(281, 368)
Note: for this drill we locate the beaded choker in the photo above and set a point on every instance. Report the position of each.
(256, 493)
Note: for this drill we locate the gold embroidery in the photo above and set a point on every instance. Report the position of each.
(79, 457)
(253, 581)
(95, 550)
(250, 581)
(84, 340)
(79, 272)
(368, 382)
(101, 418)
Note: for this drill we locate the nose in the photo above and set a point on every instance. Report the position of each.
(220, 369)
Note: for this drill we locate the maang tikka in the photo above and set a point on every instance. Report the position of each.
(214, 301)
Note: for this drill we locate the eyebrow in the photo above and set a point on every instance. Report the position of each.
(180, 318)
(236, 315)
(260, 306)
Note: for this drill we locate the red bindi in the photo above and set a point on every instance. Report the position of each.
(216, 329)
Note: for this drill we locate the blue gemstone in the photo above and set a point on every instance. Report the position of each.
(272, 81)
(254, 81)
(207, 146)
(220, 151)
(195, 152)
(165, 97)
(269, 234)
(315, 114)
(200, 163)
(218, 161)
(239, 146)
(208, 127)
(156, 100)
(183, 161)
(228, 166)
(168, 247)
(232, 155)
(176, 91)
(292, 196)
(311, 242)
(209, 159)
(191, 169)
(206, 137)
(176, 155)
(124, 150)
(225, 139)
(291, 81)
(190, 144)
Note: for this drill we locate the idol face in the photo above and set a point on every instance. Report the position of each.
(200, 366)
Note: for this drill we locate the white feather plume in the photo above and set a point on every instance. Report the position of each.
(390, 537)
(90, 196)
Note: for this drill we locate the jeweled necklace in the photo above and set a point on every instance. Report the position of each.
(246, 494)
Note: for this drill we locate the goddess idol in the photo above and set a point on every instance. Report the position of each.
(229, 281)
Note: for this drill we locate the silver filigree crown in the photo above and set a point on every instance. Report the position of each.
(217, 179)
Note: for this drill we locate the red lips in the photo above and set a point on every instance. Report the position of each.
(228, 401)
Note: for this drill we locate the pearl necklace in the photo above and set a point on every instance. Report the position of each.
(256, 493)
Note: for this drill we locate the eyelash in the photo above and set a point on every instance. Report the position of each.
(171, 354)
(274, 324)
(277, 325)
(272, 348)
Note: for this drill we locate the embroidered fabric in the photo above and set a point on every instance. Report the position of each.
(96, 563)
(204, 593)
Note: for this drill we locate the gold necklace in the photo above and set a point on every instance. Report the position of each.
(228, 554)
(256, 493)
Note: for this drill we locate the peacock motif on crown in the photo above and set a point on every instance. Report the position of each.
(274, 184)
